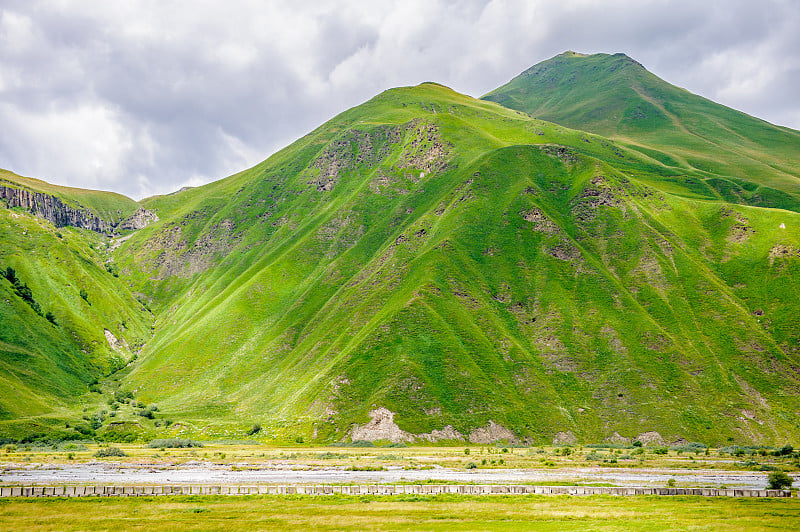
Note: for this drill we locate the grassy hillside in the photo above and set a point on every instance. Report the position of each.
(714, 151)
(53, 344)
(461, 263)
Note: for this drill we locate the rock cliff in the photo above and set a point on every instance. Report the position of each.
(53, 209)
(60, 214)
(141, 218)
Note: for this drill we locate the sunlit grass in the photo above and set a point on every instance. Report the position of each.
(402, 513)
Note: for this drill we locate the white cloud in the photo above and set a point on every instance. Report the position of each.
(84, 146)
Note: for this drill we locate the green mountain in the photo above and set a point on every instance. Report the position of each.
(715, 152)
(434, 267)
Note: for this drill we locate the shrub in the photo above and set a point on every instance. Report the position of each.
(112, 269)
(173, 443)
(472, 465)
(255, 429)
(661, 450)
(692, 447)
(49, 316)
(786, 450)
(778, 480)
(10, 274)
(108, 452)
(121, 397)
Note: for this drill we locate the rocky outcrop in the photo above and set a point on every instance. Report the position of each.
(381, 427)
(138, 220)
(617, 438)
(565, 438)
(60, 214)
(491, 433)
(118, 345)
(447, 433)
(53, 209)
(650, 438)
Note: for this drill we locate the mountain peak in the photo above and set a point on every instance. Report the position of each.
(571, 53)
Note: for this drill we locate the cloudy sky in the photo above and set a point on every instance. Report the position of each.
(143, 97)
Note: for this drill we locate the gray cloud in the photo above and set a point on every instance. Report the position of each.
(144, 97)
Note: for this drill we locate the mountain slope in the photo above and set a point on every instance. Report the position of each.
(465, 266)
(734, 157)
(48, 364)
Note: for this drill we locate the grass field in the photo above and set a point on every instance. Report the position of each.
(402, 513)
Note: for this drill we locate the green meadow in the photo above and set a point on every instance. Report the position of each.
(444, 513)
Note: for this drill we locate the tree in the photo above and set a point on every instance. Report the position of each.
(778, 480)
(84, 295)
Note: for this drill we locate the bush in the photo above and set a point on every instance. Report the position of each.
(472, 465)
(692, 447)
(661, 450)
(173, 443)
(10, 274)
(84, 295)
(121, 397)
(786, 450)
(108, 452)
(255, 429)
(778, 480)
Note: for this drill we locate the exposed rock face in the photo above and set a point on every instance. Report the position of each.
(617, 438)
(53, 209)
(447, 433)
(381, 427)
(425, 151)
(650, 438)
(541, 223)
(491, 433)
(565, 438)
(118, 346)
(138, 220)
